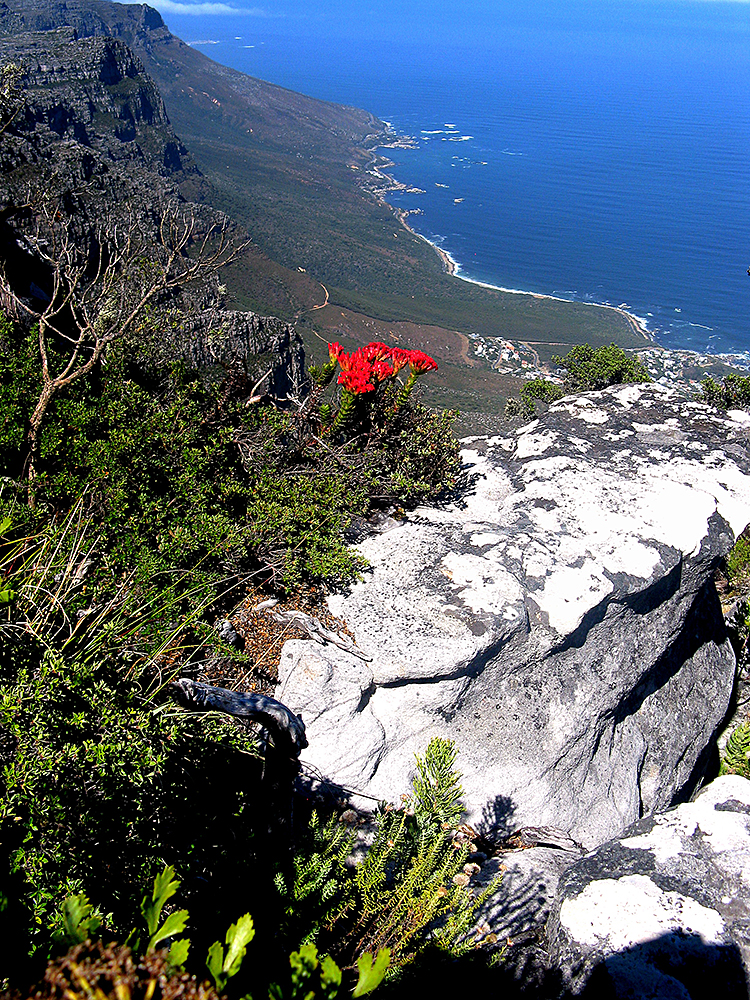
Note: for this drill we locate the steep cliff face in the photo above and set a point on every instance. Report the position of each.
(89, 115)
(91, 136)
(131, 23)
(201, 93)
(559, 622)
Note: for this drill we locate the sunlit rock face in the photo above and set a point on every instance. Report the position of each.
(664, 910)
(558, 621)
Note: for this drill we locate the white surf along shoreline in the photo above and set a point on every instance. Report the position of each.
(388, 184)
(380, 184)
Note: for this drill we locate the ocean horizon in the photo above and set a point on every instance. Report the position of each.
(597, 153)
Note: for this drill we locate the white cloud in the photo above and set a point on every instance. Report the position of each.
(207, 7)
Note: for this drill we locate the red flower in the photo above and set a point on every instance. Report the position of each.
(356, 381)
(374, 351)
(420, 362)
(335, 351)
(381, 370)
(399, 358)
(347, 361)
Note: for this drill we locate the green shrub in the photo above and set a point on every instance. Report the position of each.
(539, 389)
(180, 473)
(738, 564)
(98, 782)
(598, 367)
(99, 788)
(732, 393)
(586, 368)
(736, 756)
(412, 889)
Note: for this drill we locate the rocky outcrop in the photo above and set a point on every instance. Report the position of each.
(89, 117)
(186, 78)
(663, 910)
(91, 132)
(558, 621)
(219, 336)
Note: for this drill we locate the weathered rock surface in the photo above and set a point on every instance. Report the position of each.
(664, 910)
(559, 622)
(215, 335)
(519, 910)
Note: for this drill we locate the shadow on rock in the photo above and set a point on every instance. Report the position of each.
(678, 966)
(497, 818)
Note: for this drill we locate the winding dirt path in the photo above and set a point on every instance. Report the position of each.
(322, 304)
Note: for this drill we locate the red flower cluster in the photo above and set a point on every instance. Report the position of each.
(421, 362)
(368, 365)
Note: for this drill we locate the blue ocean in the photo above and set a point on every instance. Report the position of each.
(597, 150)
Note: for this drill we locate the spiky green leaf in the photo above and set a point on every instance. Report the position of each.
(214, 964)
(174, 924)
(238, 937)
(165, 886)
(80, 921)
(179, 952)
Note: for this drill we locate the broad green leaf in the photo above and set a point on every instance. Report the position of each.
(178, 953)
(371, 973)
(303, 964)
(330, 977)
(165, 886)
(5, 525)
(79, 920)
(174, 924)
(7, 595)
(238, 937)
(214, 963)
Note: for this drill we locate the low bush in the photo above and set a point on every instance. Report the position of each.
(99, 779)
(736, 756)
(540, 389)
(732, 393)
(181, 472)
(411, 889)
(585, 368)
(102, 782)
(588, 368)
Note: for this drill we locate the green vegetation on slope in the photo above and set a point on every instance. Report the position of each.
(180, 472)
(733, 392)
(103, 783)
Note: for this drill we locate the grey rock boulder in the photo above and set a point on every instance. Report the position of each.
(559, 621)
(331, 689)
(664, 910)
